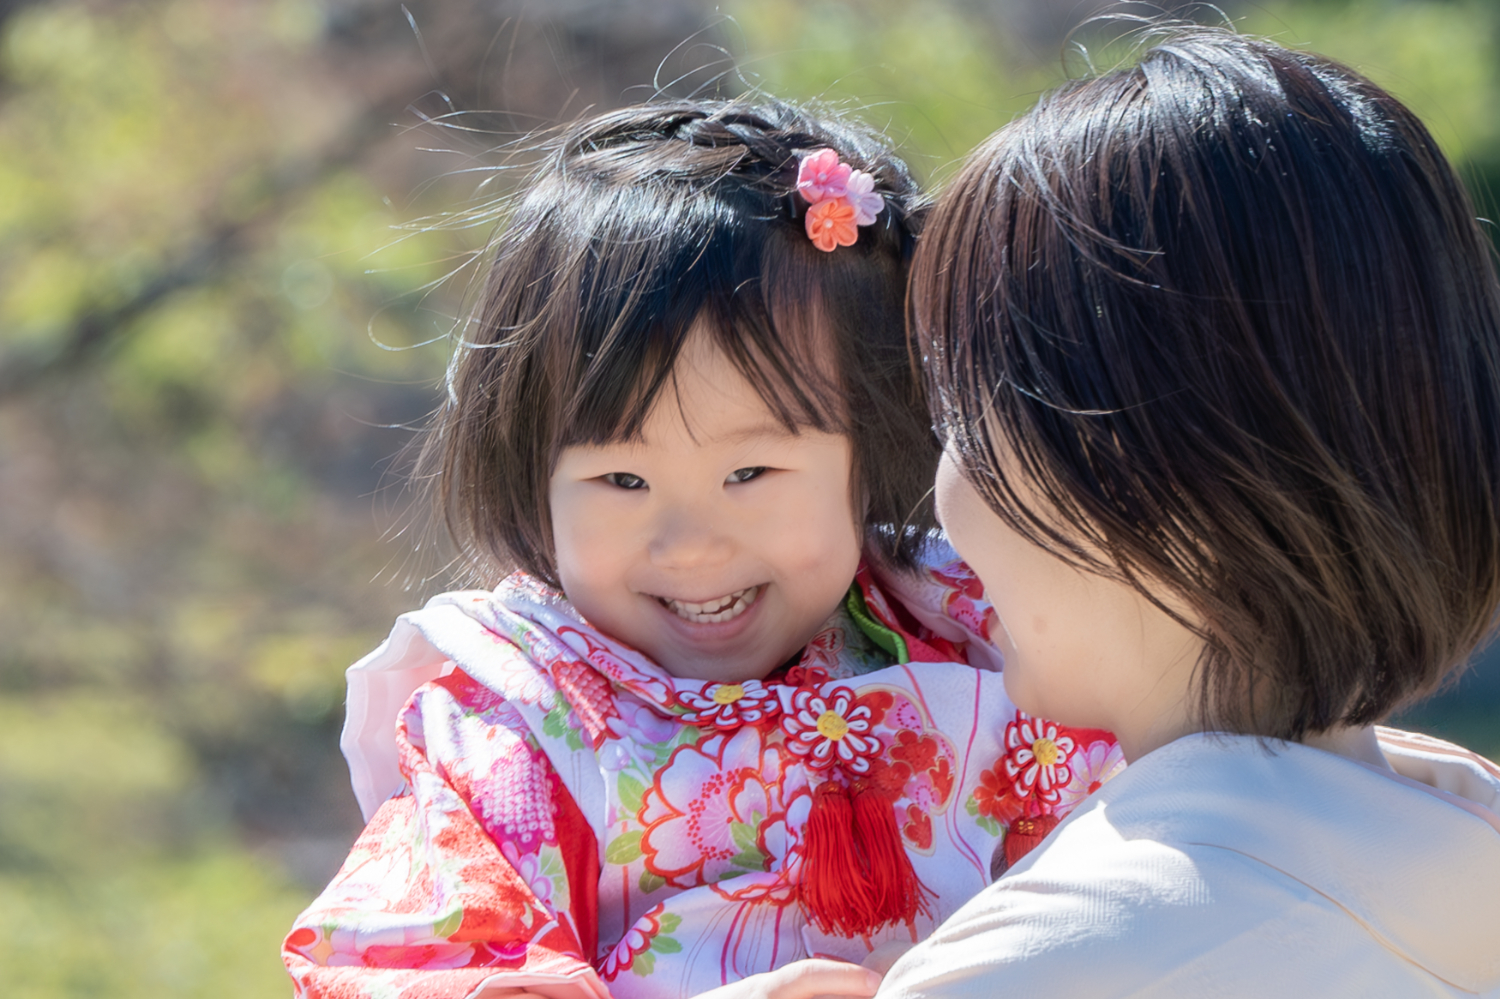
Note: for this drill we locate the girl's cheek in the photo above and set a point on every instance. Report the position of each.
(809, 531)
(585, 536)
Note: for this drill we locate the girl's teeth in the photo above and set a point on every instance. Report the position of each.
(724, 608)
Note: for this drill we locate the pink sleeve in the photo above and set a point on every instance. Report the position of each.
(483, 875)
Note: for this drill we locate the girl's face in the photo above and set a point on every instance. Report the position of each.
(717, 544)
(1079, 648)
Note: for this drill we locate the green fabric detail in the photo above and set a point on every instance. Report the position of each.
(878, 633)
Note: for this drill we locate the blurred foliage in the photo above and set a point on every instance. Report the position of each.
(209, 346)
(940, 76)
(196, 278)
(1439, 58)
(935, 75)
(109, 883)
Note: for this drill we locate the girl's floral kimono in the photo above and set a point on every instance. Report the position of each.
(554, 812)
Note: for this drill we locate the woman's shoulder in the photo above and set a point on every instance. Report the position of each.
(1211, 867)
(1165, 924)
(1102, 916)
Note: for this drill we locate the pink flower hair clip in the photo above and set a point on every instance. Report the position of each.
(839, 198)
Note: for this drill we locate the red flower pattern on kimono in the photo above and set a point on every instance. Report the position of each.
(964, 600)
(717, 809)
(1036, 759)
(1091, 766)
(832, 728)
(917, 751)
(727, 706)
(822, 652)
(637, 941)
(918, 828)
(633, 953)
(993, 798)
(806, 674)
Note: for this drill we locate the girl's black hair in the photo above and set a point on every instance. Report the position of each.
(638, 226)
(1232, 314)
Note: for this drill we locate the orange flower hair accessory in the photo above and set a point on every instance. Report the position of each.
(839, 198)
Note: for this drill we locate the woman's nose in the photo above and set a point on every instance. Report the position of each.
(684, 537)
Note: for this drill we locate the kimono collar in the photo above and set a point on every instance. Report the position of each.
(867, 632)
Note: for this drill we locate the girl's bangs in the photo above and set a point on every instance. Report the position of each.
(768, 324)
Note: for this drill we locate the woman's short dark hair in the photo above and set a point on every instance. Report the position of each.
(1231, 313)
(638, 226)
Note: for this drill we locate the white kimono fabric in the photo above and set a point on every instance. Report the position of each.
(1219, 866)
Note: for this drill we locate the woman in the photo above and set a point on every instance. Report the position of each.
(1215, 345)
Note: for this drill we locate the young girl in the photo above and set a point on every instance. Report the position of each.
(1215, 345)
(736, 706)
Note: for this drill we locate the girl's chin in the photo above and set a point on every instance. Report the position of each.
(717, 671)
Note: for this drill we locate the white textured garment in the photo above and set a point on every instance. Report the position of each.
(1223, 866)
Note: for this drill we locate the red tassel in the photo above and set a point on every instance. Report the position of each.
(1024, 834)
(898, 894)
(836, 892)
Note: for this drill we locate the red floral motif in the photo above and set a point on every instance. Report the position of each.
(918, 828)
(880, 703)
(957, 576)
(918, 751)
(806, 675)
(889, 778)
(942, 779)
(1036, 759)
(706, 806)
(782, 839)
(821, 653)
(992, 797)
(1092, 765)
(833, 728)
(727, 706)
(964, 600)
(637, 941)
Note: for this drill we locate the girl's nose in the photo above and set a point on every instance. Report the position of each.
(685, 538)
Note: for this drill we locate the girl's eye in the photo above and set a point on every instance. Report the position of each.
(625, 480)
(746, 474)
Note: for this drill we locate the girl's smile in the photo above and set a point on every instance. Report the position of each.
(715, 611)
(714, 634)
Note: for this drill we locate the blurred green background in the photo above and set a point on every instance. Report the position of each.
(225, 229)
